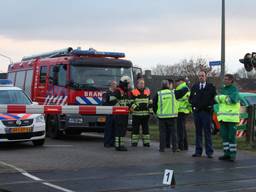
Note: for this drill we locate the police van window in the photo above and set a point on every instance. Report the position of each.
(13, 97)
(20, 78)
(62, 73)
(28, 82)
(43, 73)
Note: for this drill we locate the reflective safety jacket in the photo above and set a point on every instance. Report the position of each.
(228, 109)
(141, 102)
(184, 105)
(167, 105)
(123, 97)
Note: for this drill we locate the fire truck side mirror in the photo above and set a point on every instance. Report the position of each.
(56, 69)
(55, 81)
(64, 67)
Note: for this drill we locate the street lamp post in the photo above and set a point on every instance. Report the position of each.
(9, 58)
(222, 73)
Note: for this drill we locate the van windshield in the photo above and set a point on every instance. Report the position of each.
(14, 97)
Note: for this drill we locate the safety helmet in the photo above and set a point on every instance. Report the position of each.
(125, 79)
(90, 81)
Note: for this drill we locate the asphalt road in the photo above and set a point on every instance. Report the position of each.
(82, 164)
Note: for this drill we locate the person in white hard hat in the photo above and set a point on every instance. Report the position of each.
(121, 121)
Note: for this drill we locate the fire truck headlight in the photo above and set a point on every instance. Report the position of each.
(75, 120)
(40, 119)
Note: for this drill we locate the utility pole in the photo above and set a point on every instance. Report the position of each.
(222, 73)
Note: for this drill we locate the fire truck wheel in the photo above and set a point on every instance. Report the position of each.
(52, 127)
(39, 142)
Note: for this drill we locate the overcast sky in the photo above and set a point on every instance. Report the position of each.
(150, 32)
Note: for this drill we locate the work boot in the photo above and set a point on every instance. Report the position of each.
(121, 148)
(134, 144)
(232, 159)
(146, 145)
(176, 150)
(224, 158)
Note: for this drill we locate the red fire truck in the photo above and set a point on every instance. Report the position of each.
(70, 77)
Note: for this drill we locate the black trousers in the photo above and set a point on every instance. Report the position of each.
(138, 121)
(168, 132)
(203, 125)
(182, 132)
(121, 123)
(109, 131)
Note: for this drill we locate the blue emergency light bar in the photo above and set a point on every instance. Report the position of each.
(78, 52)
(93, 52)
(5, 82)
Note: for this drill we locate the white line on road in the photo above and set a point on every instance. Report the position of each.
(58, 145)
(25, 173)
(57, 187)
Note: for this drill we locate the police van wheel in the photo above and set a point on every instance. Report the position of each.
(39, 142)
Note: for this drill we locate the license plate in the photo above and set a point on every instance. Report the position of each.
(21, 130)
(102, 119)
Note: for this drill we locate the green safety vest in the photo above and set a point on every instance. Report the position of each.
(167, 105)
(184, 105)
(227, 111)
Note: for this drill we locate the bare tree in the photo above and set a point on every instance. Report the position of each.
(186, 68)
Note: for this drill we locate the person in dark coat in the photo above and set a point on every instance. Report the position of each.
(202, 101)
(110, 99)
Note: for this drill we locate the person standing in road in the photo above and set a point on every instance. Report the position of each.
(183, 111)
(168, 131)
(202, 101)
(165, 106)
(109, 99)
(121, 121)
(228, 112)
(140, 107)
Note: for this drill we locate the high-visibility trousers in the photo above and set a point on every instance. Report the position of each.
(228, 134)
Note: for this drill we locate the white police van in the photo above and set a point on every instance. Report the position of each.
(19, 127)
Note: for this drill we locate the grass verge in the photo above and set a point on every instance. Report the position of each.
(216, 139)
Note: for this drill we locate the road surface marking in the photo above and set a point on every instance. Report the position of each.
(58, 145)
(26, 174)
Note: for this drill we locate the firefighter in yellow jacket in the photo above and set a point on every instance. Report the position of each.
(141, 106)
(228, 115)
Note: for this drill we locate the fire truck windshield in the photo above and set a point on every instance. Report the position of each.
(87, 77)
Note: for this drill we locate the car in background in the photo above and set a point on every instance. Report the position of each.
(246, 100)
(19, 127)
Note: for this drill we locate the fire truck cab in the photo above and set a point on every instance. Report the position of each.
(70, 77)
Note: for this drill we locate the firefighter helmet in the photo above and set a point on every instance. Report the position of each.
(90, 81)
(125, 79)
